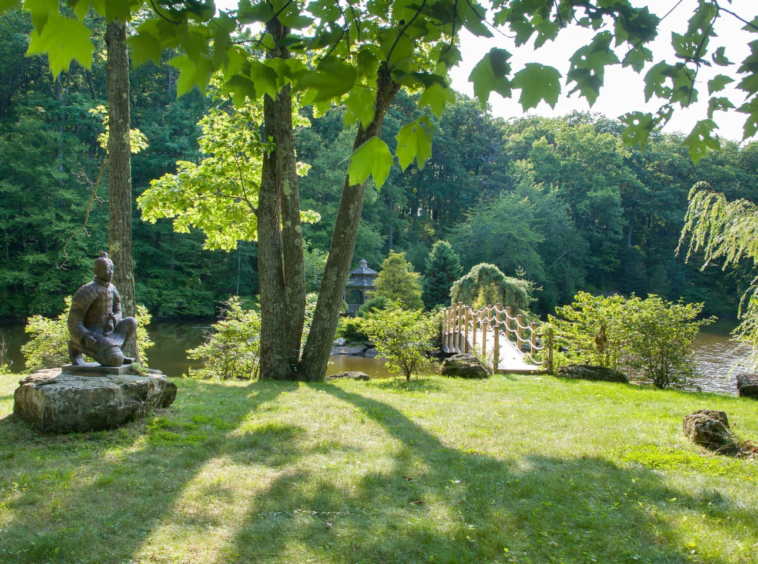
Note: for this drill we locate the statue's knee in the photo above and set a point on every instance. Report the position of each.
(112, 357)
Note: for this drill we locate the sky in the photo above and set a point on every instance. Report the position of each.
(623, 91)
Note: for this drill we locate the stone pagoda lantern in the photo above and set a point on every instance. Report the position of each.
(361, 281)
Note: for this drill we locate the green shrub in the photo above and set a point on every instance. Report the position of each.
(374, 304)
(5, 364)
(48, 347)
(660, 339)
(397, 282)
(649, 337)
(405, 338)
(351, 329)
(592, 328)
(232, 348)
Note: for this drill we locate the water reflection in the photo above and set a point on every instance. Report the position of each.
(715, 353)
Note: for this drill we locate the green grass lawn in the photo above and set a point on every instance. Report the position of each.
(513, 469)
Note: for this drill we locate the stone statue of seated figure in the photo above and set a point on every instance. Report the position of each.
(95, 326)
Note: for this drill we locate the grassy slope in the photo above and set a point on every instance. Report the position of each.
(514, 469)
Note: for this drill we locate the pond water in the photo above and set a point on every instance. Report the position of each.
(715, 353)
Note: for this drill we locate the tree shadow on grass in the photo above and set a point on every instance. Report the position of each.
(94, 497)
(439, 504)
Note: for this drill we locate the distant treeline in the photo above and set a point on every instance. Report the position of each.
(558, 201)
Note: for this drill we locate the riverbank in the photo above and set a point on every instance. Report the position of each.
(715, 353)
(510, 469)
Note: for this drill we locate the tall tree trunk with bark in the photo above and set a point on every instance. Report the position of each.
(120, 169)
(325, 318)
(281, 269)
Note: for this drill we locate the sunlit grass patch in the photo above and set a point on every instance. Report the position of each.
(681, 460)
(505, 470)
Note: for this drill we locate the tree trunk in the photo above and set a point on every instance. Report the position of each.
(120, 169)
(280, 253)
(274, 365)
(325, 318)
(292, 233)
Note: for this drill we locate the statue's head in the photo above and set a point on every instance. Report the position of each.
(104, 267)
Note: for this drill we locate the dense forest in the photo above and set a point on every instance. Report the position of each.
(560, 202)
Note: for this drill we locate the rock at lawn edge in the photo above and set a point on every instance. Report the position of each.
(64, 403)
(593, 373)
(348, 351)
(709, 429)
(747, 385)
(465, 366)
(350, 375)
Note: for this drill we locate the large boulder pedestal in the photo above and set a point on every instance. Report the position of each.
(86, 399)
(592, 373)
(465, 366)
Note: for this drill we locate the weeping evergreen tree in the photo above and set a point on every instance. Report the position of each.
(487, 285)
(443, 268)
(728, 231)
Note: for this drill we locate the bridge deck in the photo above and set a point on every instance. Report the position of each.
(511, 359)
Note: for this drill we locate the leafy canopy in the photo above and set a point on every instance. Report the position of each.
(219, 195)
(341, 48)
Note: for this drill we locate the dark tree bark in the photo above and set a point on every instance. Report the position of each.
(280, 252)
(325, 318)
(120, 168)
(294, 267)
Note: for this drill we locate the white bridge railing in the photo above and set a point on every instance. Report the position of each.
(464, 329)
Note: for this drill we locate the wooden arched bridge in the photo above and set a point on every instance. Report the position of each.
(505, 340)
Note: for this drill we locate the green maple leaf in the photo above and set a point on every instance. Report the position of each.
(332, 79)
(9, 5)
(291, 17)
(637, 58)
(120, 9)
(700, 140)
(436, 96)
(718, 83)
(751, 123)
(749, 84)
(655, 80)
(191, 74)
(81, 7)
(40, 10)
(145, 47)
(371, 158)
(241, 88)
(719, 105)
(63, 39)
(537, 82)
(638, 128)
(265, 78)
(720, 59)
(361, 106)
(249, 13)
(489, 75)
(325, 10)
(414, 141)
(588, 66)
